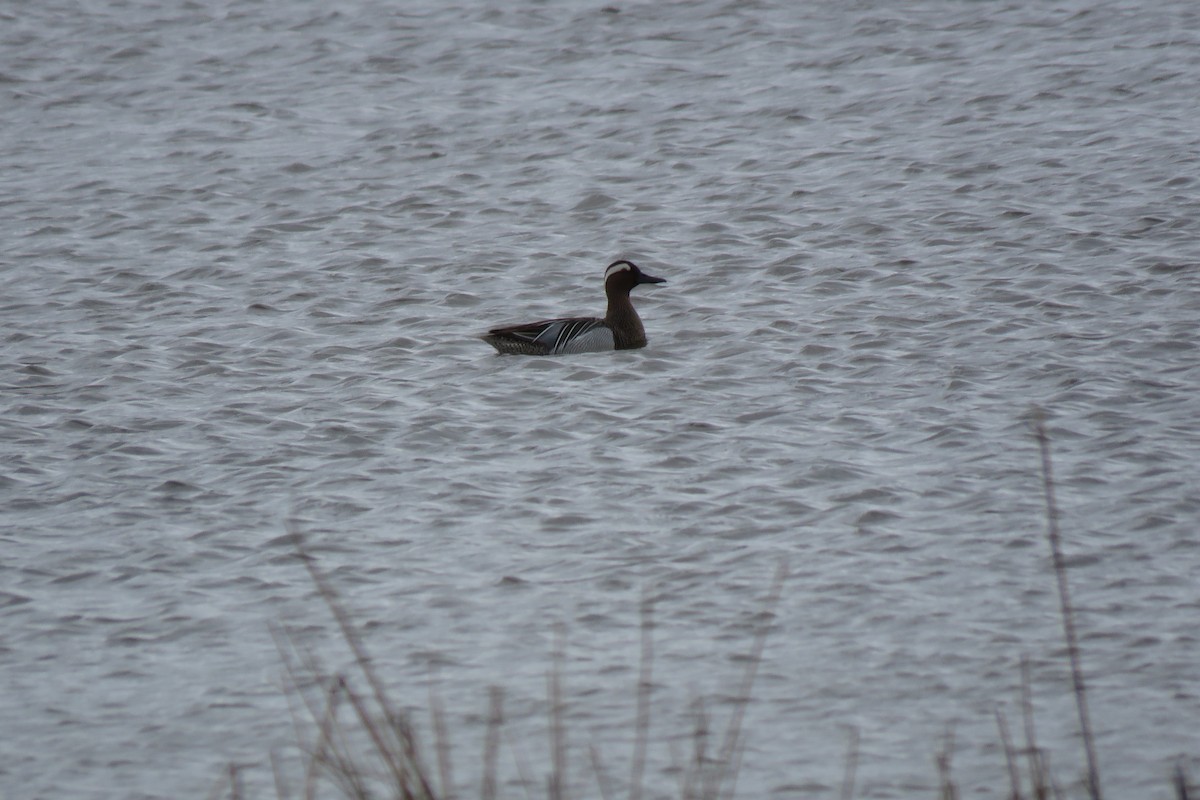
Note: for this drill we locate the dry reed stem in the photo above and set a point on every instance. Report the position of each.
(642, 723)
(393, 759)
(848, 777)
(392, 737)
(441, 745)
(946, 788)
(1067, 610)
(729, 756)
(491, 743)
(293, 687)
(395, 743)
(705, 778)
(1010, 757)
(556, 782)
(334, 754)
(522, 765)
(282, 792)
(1037, 774)
(317, 757)
(230, 778)
(1181, 782)
(601, 773)
(235, 782)
(694, 773)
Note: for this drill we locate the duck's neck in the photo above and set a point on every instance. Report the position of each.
(626, 325)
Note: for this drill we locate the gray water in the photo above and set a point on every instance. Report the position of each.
(248, 248)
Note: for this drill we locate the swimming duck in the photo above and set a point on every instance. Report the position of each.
(621, 328)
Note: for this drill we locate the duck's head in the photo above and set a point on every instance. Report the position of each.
(622, 276)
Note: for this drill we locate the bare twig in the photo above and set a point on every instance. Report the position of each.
(441, 743)
(601, 774)
(848, 776)
(694, 773)
(558, 732)
(491, 743)
(642, 724)
(947, 789)
(729, 756)
(393, 759)
(333, 754)
(1010, 757)
(316, 753)
(301, 669)
(522, 765)
(1038, 779)
(395, 743)
(282, 792)
(235, 782)
(229, 778)
(1068, 612)
(391, 764)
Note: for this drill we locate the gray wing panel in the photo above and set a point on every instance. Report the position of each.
(592, 337)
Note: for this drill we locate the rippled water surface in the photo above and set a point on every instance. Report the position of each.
(248, 248)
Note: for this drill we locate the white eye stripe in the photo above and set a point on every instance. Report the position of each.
(615, 268)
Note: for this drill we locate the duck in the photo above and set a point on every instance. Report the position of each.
(620, 329)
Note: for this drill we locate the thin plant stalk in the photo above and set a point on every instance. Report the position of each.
(231, 779)
(235, 782)
(1181, 782)
(334, 753)
(393, 742)
(396, 743)
(642, 724)
(1038, 779)
(601, 773)
(441, 744)
(700, 736)
(729, 756)
(491, 743)
(848, 776)
(324, 733)
(1010, 757)
(1068, 612)
(558, 731)
(291, 656)
(948, 791)
(282, 792)
(522, 765)
(394, 760)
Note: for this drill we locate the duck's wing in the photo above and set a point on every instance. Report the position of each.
(552, 336)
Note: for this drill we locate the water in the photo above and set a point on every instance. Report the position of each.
(247, 249)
